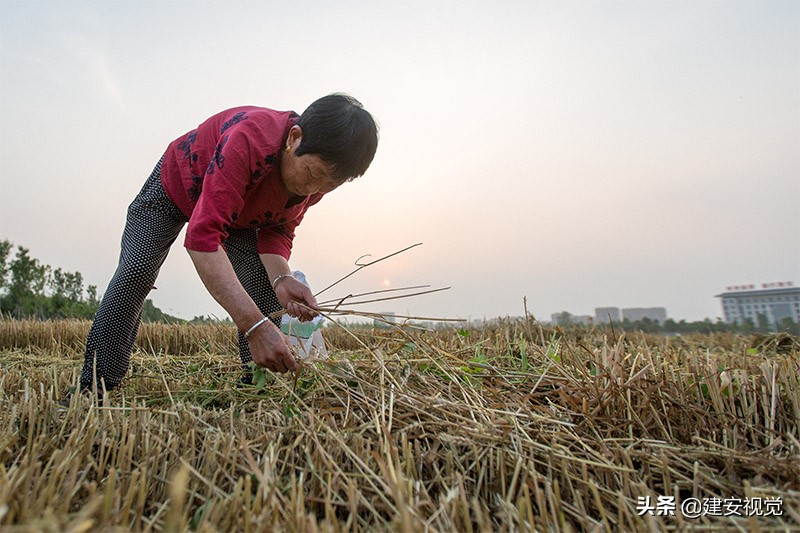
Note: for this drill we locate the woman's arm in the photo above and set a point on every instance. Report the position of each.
(268, 345)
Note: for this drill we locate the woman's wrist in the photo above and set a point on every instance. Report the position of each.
(255, 326)
(279, 278)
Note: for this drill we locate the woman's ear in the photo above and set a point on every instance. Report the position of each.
(295, 135)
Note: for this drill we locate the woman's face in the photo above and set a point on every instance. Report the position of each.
(307, 174)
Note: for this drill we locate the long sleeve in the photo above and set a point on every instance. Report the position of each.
(279, 239)
(221, 199)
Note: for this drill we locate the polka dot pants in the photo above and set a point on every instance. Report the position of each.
(152, 225)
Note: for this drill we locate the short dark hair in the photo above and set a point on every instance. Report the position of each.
(341, 132)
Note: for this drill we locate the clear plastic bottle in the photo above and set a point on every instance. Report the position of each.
(302, 333)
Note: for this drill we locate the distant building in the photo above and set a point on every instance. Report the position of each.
(604, 315)
(773, 301)
(634, 314)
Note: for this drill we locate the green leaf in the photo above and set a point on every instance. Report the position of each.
(259, 377)
(410, 347)
(552, 348)
(197, 517)
(523, 352)
(480, 357)
(289, 409)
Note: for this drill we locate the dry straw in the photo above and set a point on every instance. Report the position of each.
(512, 427)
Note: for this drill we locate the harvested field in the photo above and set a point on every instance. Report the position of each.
(516, 427)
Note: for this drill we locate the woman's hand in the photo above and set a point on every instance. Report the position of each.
(270, 349)
(268, 346)
(296, 298)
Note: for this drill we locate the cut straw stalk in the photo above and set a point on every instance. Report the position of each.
(361, 266)
(380, 291)
(450, 439)
(343, 302)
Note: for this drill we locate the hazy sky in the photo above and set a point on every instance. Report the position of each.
(582, 154)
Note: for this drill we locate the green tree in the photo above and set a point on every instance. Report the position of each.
(26, 296)
(647, 325)
(564, 319)
(5, 250)
(91, 296)
(763, 323)
(789, 326)
(66, 295)
(670, 326)
(30, 289)
(151, 313)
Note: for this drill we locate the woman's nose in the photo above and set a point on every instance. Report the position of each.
(314, 187)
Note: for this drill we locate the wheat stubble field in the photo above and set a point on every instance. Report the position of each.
(515, 427)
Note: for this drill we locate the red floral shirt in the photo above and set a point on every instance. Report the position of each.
(226, 175)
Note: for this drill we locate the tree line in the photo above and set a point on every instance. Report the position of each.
(670, 326)
(31, 289)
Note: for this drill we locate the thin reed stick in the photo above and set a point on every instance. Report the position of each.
(365, 265)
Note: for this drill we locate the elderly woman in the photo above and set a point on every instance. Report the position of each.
(243, 180)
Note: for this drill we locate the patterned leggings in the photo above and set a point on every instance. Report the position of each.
(153, 224)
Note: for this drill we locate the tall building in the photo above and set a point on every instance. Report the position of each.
(604, 315)
(773, 301)
(634, 314)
